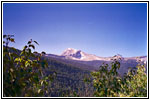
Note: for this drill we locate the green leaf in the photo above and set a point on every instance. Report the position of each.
(12, 40)
(29, 51)
(46, 78)
(36, 42)
(25, 47)
(39, 90)
(22, 53)
(29, 42)
(43, 53)
(35, 52)
(27, 63)
(42, 82)
(32, 46)
(4, 36)
(17, 59)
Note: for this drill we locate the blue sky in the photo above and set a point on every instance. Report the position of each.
(103, 29)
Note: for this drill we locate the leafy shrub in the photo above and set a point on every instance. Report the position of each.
(108, 83)
(24, 72)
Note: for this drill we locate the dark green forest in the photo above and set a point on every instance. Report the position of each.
(27, 73)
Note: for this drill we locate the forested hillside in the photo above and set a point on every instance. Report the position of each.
(69, 80)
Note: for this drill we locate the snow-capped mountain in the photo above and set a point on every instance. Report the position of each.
(74, 54)
(93, 62)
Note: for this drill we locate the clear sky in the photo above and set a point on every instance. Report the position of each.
(103, 29)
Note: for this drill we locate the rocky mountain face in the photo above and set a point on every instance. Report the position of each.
(93, 62)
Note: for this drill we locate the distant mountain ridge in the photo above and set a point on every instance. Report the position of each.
(74, 54)
(93, 62)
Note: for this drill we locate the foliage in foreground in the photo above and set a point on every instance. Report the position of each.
(108, 83)
(23, 72)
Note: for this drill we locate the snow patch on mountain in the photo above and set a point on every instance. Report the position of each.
(74, 54)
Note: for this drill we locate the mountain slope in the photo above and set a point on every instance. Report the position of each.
(92, 62)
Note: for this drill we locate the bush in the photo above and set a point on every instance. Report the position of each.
(23, 72)
(108, 83)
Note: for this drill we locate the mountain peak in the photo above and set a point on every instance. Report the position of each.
(70, 49)
(70, 52)
(74, 54)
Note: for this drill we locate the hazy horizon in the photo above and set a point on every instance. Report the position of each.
(102, 29)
